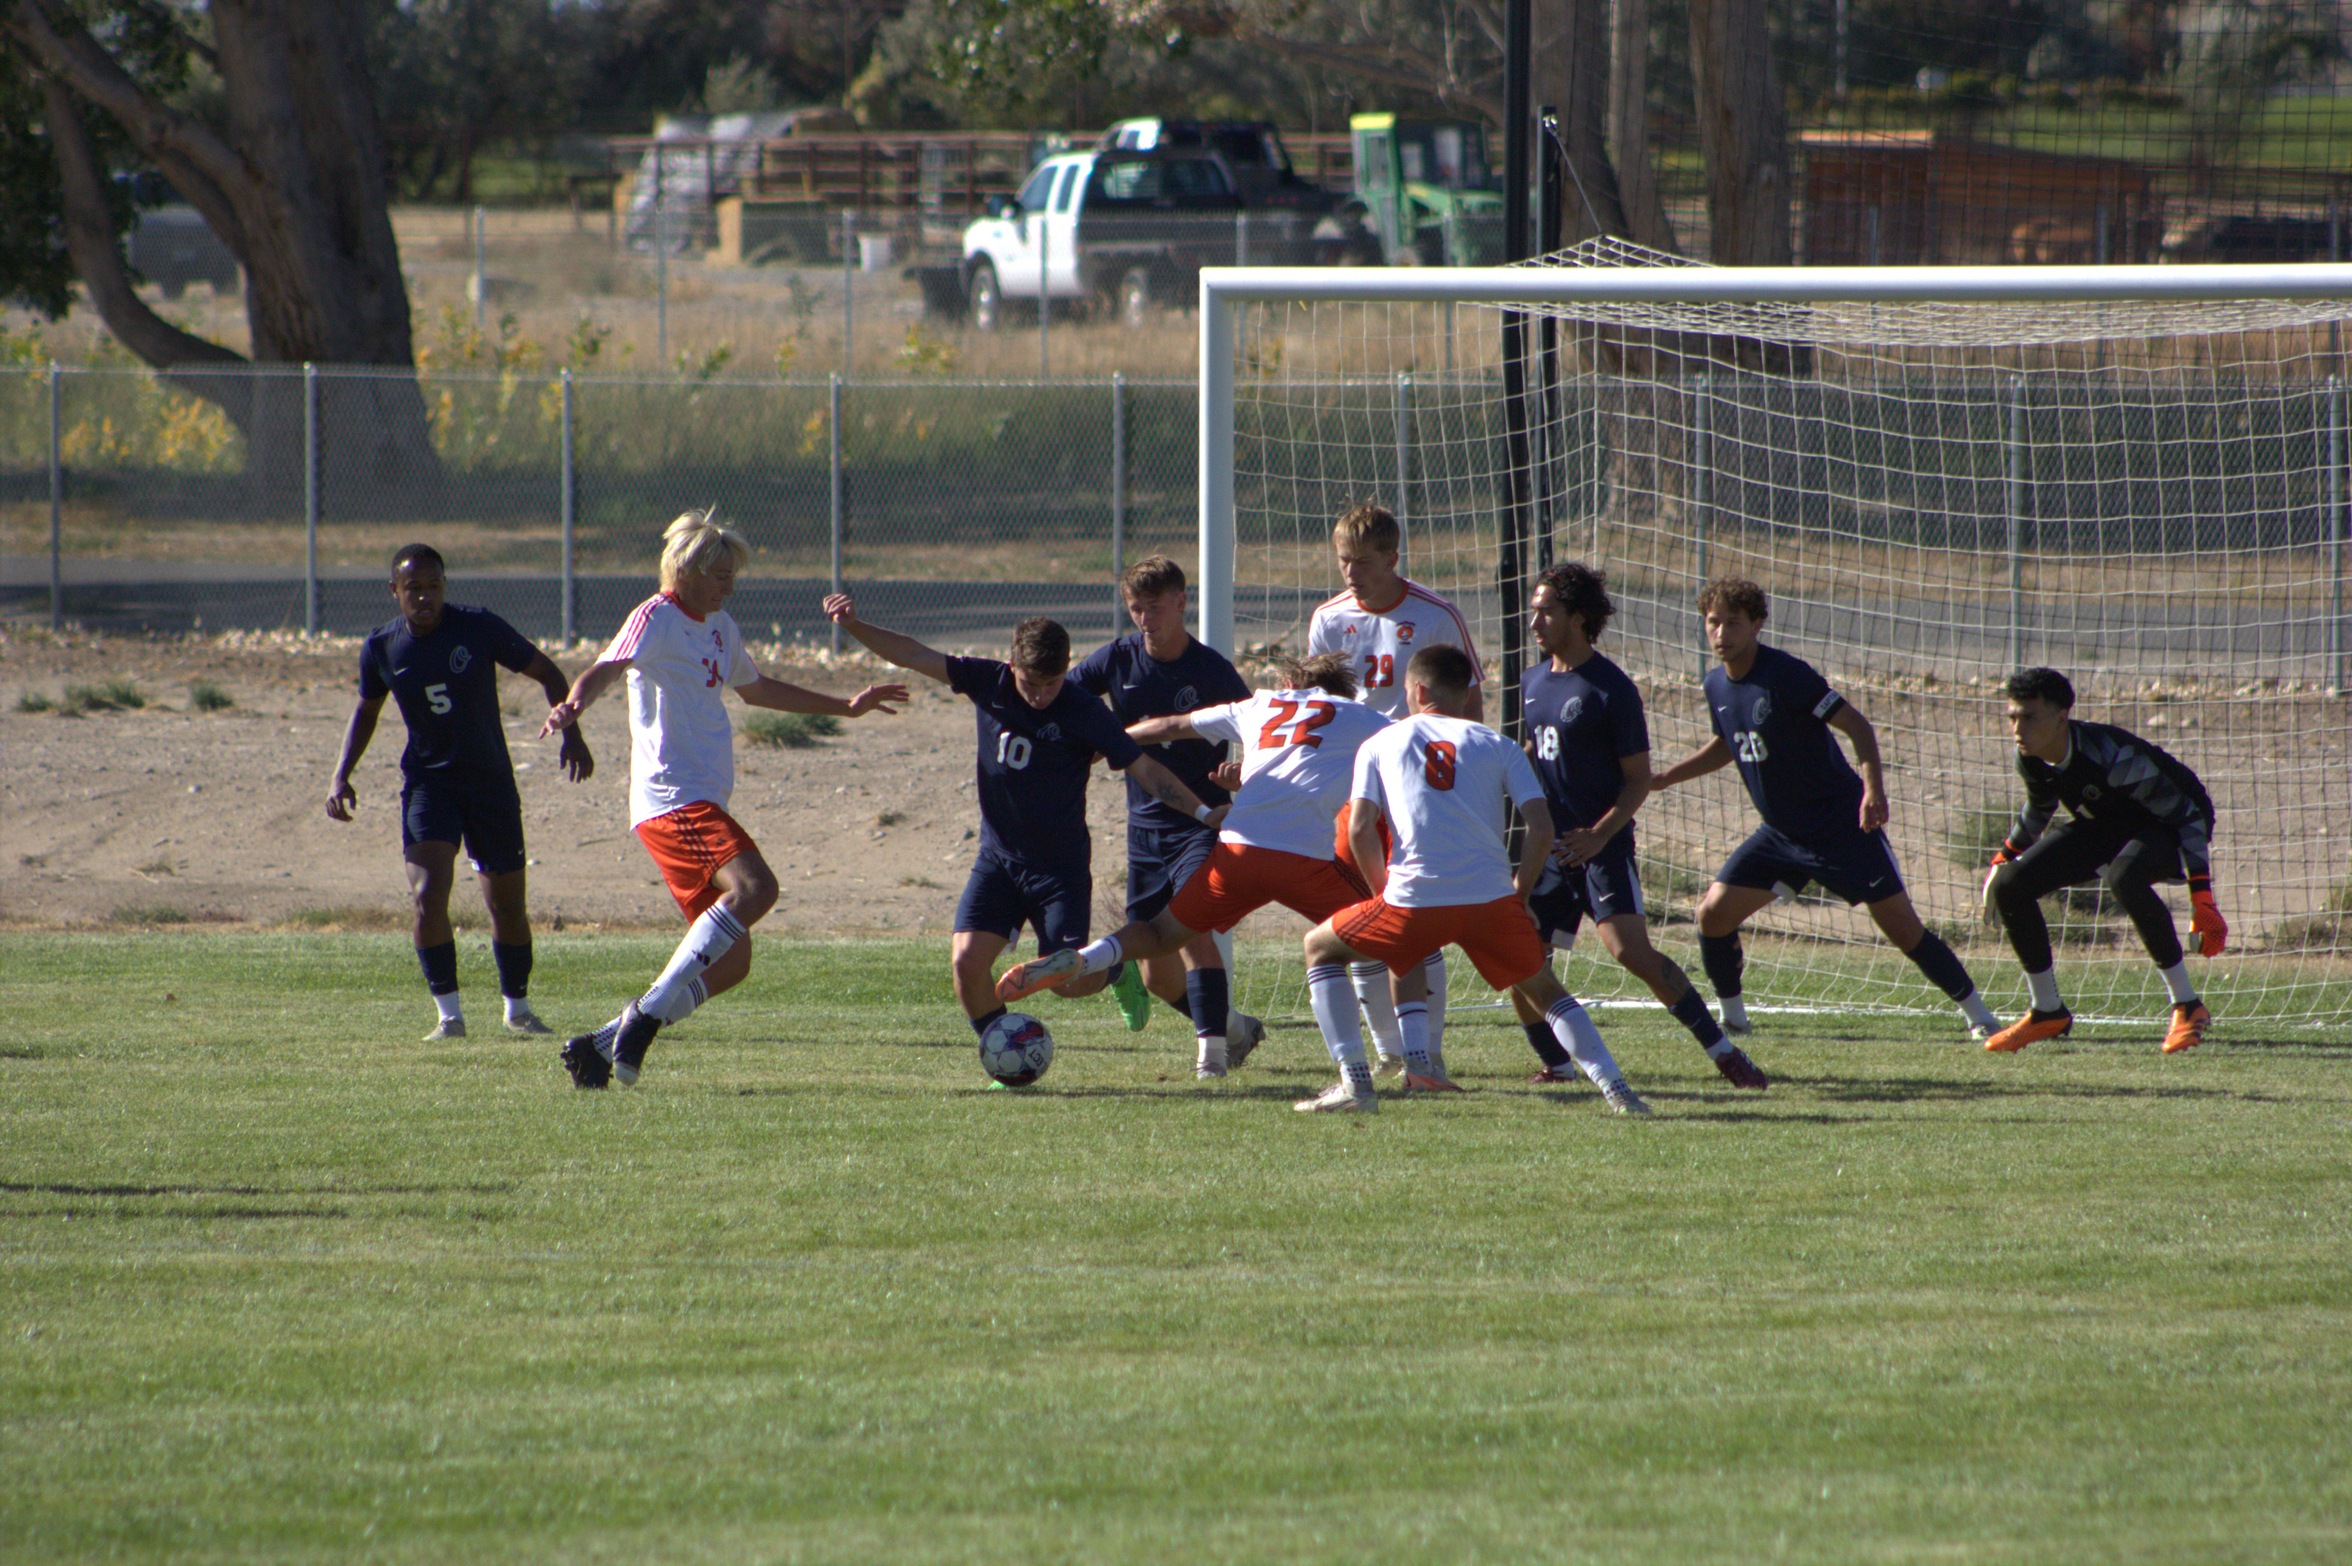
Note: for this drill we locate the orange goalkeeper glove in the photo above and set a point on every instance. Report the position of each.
(1984, 897)
(2205, 916)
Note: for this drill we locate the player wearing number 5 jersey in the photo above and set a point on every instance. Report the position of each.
(1380, 622)
(1298, 761)
(1444, 786)
(1038, 736)
(1773, 714)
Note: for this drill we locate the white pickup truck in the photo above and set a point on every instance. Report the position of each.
(1128, 228)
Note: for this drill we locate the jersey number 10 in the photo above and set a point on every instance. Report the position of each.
(1012, 750)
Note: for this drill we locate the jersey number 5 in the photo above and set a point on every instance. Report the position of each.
(1439, 768)
(437, 698)
(1748, 745)
(1314, 716)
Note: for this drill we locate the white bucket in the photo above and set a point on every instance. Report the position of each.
(874, 252)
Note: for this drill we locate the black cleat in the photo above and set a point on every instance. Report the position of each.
(585, 1059)
(1740, 1071)
(634, 1038)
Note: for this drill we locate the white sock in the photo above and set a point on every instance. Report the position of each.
(1101, 956)
(451, 1010)
(1370, 982)
(2043, 986)
(707, 940)
(517, 1007)
(1328, 991)
(1735, 1011)
(2176, 983)
(1574, 1029)
(1979, 1015)
(1212, 1052)
(1413, 1027)
(1433, 969)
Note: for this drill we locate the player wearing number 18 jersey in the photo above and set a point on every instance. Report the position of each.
(1380, 622)
(1773, 714)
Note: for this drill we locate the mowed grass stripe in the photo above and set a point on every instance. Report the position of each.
(284, 1283)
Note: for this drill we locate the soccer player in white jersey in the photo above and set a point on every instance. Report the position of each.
(681, 651)
(1443, 781)
(1380, 621)
(1298, 760)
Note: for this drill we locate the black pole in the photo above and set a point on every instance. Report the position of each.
(1518, 121)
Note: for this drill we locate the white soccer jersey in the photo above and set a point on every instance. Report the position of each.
(681, 744)
(1298, 762)
(1443, 783)
(1383, 641)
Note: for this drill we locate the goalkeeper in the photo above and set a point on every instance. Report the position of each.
(2138, 817)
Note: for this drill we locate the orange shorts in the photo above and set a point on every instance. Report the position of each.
(688, 845)
(1343, 851)
(1499, 937)
(1238, 879)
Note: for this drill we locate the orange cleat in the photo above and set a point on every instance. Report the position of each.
(2188, 1027)
(2031, 1028)
(1020, 982)
(1415, 1082)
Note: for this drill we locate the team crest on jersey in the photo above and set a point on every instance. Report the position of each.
(459, 657)
(1051, 731)
(2090, 791)
(1571, 710)
(1187, 699)
(1763, 711)
(1405, 632)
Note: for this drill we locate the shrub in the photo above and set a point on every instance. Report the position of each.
(205, 696)
(790, 730)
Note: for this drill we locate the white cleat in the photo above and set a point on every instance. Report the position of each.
(1621, 1098)
(446, 1028)
(1389, 1066)
(527, 1022)
(1243, 1033)
(1738, 1030)
(1341, 1099)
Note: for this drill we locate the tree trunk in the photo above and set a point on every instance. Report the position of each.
(1629, 128)
(1743, 132)
(1571, 72)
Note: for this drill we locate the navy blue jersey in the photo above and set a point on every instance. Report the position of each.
(1776, 722)
(447, 685)
(1139, 686)
(1033, 764)
(1577, 725)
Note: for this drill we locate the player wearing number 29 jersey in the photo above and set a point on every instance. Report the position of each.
(1382, 641)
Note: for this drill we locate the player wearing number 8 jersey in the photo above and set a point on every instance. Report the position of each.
(1379, 623)
(1443, 784)
(1773, 714)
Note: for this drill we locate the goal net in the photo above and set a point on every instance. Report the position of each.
(2136, 475)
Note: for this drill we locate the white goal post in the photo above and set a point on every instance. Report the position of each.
(2136, 474)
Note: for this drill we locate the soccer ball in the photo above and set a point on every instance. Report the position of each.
(1016, 1049)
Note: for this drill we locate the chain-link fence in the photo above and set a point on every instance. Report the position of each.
(275, 498)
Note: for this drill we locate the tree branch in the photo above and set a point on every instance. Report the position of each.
(90, 239)
(1380, 65)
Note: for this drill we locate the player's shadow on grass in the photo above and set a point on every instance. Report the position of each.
(2290, 1046)
(63, 1188)
(1894, 1090)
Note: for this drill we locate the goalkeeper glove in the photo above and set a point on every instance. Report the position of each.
(2205, 916)
(2001, 856)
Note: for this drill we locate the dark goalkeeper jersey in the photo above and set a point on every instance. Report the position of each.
(446, 683)
(2113, 777)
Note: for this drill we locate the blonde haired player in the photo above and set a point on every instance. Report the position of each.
(1380, 622)
(1298, 759)
(1443, 782)
(681, 652)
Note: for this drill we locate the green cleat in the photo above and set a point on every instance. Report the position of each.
(1134, 1000)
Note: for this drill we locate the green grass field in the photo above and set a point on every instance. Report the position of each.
(283, 1283)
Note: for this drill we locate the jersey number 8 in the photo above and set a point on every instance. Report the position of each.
(1439, 768)
(1012, 750)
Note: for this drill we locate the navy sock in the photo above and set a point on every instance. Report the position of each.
(1183, 1004)
(980, 1024)
(1941, 965)
(440, 965)
(1721, 956)
(514, 968)
(1547, 1048)
(1210, 999)
(1692, 1013)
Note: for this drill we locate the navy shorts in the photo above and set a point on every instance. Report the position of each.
(1001, 897)
(1160, 859)
(482, 815)
(1854, 866)
(1600, 888)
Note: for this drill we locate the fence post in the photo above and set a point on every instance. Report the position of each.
(848, 297)
(481, 281)
(2014, 448)
(2335, 467)
(56, 511)
(1404, 427)
(1702, 482)
(1118, 497)
(310, 500)
(1044, 299)
(661, 264)
(834, 426)
(1241, 238)
(571, 587)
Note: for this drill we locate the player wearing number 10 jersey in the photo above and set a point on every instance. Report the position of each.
(1380, 622)
(1773, 714)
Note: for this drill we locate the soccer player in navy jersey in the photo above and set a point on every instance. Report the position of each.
(1038, 736)
(1773, 714)
(1590, 742)
(440, 662)
(2138, 816)
(1164, 671)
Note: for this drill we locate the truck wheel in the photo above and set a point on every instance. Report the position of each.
(987, 300)
(1135, 298)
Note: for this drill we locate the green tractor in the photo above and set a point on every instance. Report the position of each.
(1425, 195)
